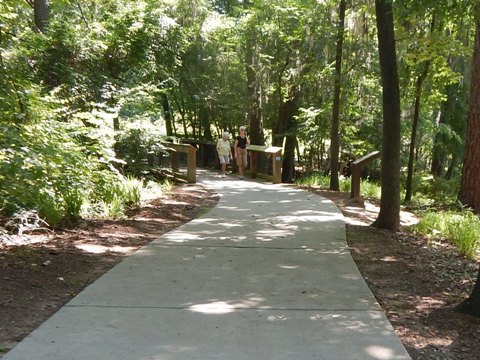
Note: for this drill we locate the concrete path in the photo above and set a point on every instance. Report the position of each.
(266, 275)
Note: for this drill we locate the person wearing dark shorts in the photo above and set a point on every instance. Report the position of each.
(240, 148)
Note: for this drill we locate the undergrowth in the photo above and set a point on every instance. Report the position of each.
(462, 228)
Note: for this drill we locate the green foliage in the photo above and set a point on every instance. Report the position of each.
(44, 168)
(462, 228)
(433, 223)
(73, 203)
(436, 191)
(137, 145)
(368, 189)
(48, 206)
(116, 62)
(464, 232)
(315, 179)
(132, 189)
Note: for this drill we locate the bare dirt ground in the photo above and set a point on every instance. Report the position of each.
(38, 278)
(416, 282)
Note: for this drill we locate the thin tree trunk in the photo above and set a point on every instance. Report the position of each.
(334, 136)
(413, 137)
(254, 90)
(181, 110)
(204, 119)
(167, 111)
(389, 216)
(451, 168)
(288, 165)
(438, 150)
(40, 9)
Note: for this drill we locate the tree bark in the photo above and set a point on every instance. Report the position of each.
(471, 305)
(470, 184)
(334, 136)
(389, 216)
(40, 9)
(286, 129)
(167, 111)
(204, 122)
(288, 164)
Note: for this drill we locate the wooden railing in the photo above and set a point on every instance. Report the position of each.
(175, 149)
(356, 173)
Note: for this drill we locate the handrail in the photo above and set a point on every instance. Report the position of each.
(191, 159)
(356, 169)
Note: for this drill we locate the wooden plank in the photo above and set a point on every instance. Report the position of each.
(275, 152)
(185, 148)
(367, 158)
(264, 149)
(192, 166)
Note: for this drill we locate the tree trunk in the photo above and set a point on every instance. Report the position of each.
(413, 137)
(286, 129)
(470, 184)
(334, 136)
(389, 216)
(438, 150)
(254, 90)
(40, 9)
(167, 112)
(288, 164)
(205, 131)
(472, 304)
(280, 129)
(450, 110)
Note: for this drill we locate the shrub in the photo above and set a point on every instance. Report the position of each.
(73, 201)
(137, 146)
(131, 192)
(433, 224)
(44, 168)
(370, 189)
(439, 190)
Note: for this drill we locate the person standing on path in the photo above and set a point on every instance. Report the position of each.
(240, 148)
(224, 151)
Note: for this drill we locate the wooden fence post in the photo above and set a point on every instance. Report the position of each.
(192, 165)
(356, 169)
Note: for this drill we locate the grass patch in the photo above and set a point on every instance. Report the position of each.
(461, 228)
(368, 189)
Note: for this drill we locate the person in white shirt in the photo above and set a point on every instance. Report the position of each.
(224, 151)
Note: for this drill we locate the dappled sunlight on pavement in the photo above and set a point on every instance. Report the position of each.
(266, 274)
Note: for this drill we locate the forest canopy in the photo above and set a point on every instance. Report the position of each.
(89, 88)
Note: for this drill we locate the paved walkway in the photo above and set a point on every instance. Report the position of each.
(265, 275)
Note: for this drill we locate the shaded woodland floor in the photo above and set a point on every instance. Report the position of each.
(416, 283)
